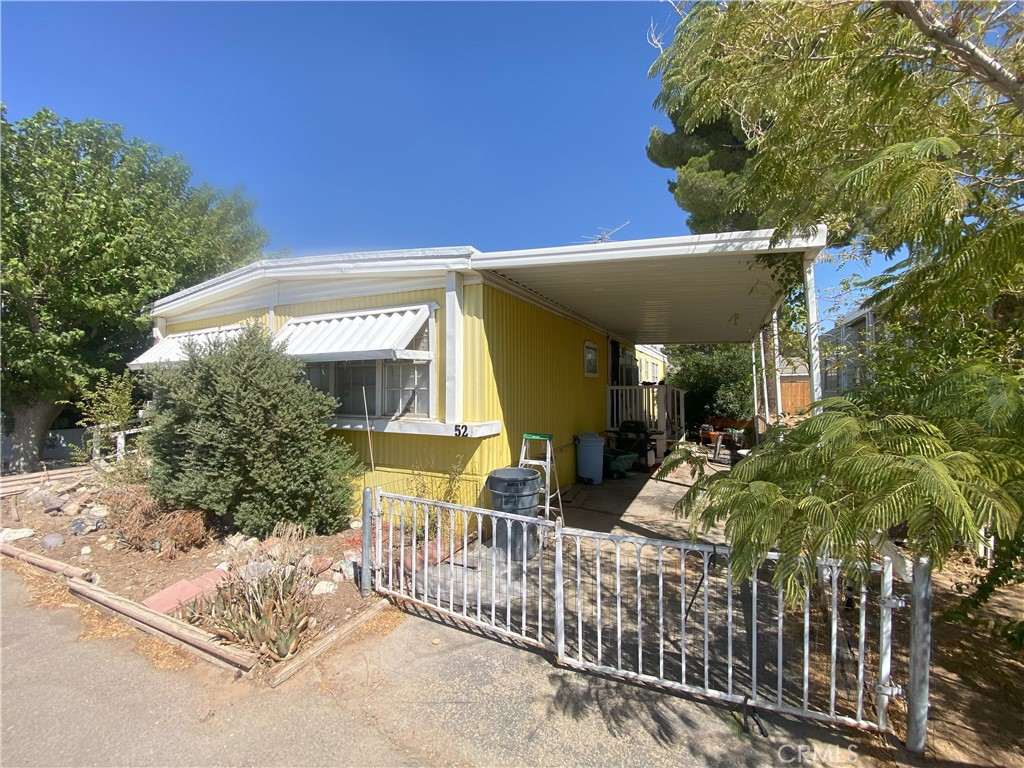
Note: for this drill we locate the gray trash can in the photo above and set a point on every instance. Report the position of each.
(590, 457)
(515, 491)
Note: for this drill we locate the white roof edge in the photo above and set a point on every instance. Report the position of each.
(685, 245)
(464, 258)
(418, 259)
(650, 351)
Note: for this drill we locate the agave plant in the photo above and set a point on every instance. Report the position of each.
(267, 604)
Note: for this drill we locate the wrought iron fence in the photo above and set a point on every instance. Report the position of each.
(660, 612)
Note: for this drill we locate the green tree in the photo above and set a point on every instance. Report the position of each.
(709, 160)
(95, 226)
(899, 125)
(239, 432)
(717, 379)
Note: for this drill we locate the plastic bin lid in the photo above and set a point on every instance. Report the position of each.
(590, 436)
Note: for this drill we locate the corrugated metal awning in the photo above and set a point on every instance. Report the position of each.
(171, 348)
(374, 334)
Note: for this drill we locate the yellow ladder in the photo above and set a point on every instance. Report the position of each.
(545, 461)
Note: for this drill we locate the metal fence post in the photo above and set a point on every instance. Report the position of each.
(920, 655)
(884, 647)
(559, 594)
(364, 566)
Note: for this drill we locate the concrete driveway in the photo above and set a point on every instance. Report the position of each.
(424, 693)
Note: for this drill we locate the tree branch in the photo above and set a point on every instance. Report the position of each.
(966, 53)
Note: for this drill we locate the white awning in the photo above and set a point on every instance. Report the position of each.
(376, 334)
(171, 348)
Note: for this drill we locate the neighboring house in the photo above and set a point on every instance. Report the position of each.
(843, 351)
(460, 352)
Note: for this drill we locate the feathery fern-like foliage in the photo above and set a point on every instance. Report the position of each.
(858, 119)
(837, 482)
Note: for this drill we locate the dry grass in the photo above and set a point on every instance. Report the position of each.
(49, 591)
(146, 524)
(45, 590)
(381, 625)
(163, 655)
(100, 625)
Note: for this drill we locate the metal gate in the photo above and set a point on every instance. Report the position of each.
(659, 612)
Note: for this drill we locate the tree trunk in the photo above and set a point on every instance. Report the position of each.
(31, 423)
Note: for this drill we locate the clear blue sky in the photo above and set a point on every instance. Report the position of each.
(375, 125)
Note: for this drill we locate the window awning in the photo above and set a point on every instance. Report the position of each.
(376, 334)
(171, 348)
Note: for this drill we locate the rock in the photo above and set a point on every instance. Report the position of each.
(109, 546)
(86, 550)
(321, 564)
(436, 641)
(99, 510)
(71, 509)
(235, 540)
(337, 578)
(347, 571)
(52, 504)
(14, 534)
(339, 564)
(83, 525)
(51, 541)
(102, 538)
(223, 567)
(82, 497)
(354, 556)
(253, 571)
(324, 588)
(33, 496)
(306, 563)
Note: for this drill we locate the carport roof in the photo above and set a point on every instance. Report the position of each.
(690, 289)
(694, 289)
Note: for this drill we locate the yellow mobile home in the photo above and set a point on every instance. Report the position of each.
(444, 357)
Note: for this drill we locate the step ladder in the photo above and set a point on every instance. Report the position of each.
(546, 462)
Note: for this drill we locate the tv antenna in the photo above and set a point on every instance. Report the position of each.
(604, 234)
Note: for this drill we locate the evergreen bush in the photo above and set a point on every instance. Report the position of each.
(238, 432)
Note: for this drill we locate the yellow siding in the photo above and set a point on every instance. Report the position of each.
(419, 464)
(259, 315)
(531, 379)
(643, 358)
(523, 367)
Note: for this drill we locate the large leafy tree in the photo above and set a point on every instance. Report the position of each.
(899, 125)
(717, 379)
(95, 226)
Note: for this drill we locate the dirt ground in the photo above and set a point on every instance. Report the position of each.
(137, 575)
(977, 683)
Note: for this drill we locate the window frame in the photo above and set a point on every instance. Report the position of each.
(376, 408)
(591, 355)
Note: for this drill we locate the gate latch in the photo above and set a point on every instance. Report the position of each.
(897, 601)
(889, 690)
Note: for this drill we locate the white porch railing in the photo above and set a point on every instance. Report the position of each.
(658, 406)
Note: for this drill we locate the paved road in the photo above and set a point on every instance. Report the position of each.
(398, 699)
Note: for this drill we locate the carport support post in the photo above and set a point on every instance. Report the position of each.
(920, 655)
(364, 566)
(814, 363)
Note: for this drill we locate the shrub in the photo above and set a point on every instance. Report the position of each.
(238, 432)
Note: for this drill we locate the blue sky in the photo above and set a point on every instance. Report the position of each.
(375, 125)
